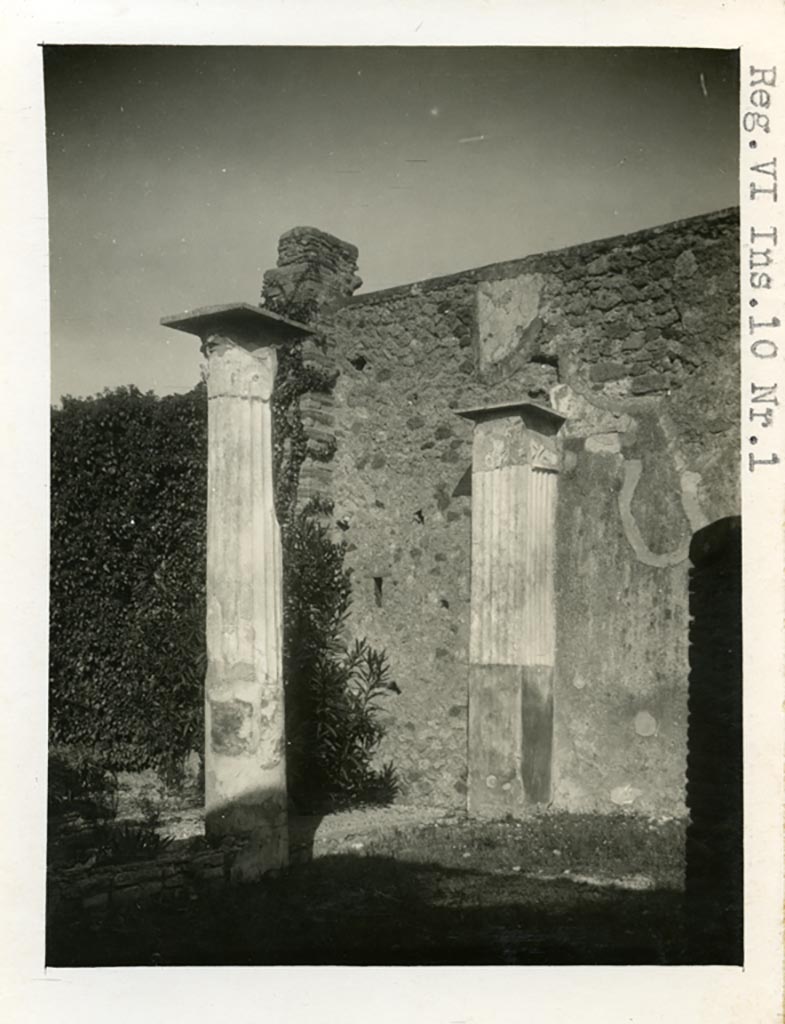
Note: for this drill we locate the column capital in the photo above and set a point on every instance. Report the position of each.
(514, 434)
(539, 418)
(239, 322)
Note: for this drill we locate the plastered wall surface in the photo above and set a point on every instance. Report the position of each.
(635, 341)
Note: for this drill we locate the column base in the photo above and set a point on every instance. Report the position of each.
(261, 853)
(262, 831)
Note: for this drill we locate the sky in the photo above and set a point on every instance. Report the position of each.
(173, 170)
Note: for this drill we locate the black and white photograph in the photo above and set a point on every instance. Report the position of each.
(407, 410)
(415, 527)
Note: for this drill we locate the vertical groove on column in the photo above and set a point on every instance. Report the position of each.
(533, 606)
(482, 562)
(270, 562)
(492, 526)
(512, 566)
(211, 516)
(277, 561)
(247, 569)
(520, 558)
(495, 484)
(478, 568)
(553, 488)
(211, 624)
(546, 485)
(227, 526)
(261, 610)
(240, 485)
(257, 566)
(481, 612)
(507, 562)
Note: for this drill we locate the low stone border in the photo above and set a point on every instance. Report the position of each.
(193, 861)
(177, 870)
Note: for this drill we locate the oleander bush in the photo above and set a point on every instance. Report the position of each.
(334, 688)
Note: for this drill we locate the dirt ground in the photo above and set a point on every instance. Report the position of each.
(409, 886)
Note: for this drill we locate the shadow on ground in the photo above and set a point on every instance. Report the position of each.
(363, 910)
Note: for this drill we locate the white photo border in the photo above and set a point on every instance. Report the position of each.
(461, 995)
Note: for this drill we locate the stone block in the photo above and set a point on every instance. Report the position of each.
(602, 372)
(96, 901)
(319, 435)
(599, 265)
(211, 870)
(648, 383)
(619, 329)
(137, 873)
(686, 265)
(151, 888)
(127, 894)
(633, 342)
(606, 299)
(670, 317)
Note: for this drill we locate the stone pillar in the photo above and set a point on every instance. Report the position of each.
(515, 463)
(245, 744)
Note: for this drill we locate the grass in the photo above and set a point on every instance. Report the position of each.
(466, 892)
(604, 846)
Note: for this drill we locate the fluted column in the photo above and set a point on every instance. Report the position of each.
(515, 464)
(245, 741)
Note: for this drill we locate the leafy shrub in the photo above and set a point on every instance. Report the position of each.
(345, 694)
(83, 801)
(80, 782)
(121, 844)
(332, 690)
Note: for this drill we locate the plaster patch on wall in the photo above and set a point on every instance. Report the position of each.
(603, 444)
(632, 474)
(505, 310)
(585, 417)
(622, 796)
(690, 501)
(230, 726)
(645, 724)
(686, 265)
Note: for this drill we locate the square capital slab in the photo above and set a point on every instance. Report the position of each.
(539, 418)
(238, 319)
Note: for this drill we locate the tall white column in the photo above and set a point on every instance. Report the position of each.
(245, 739)
(515, 462)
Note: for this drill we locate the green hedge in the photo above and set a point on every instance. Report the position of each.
(127, 602)
(128, 506)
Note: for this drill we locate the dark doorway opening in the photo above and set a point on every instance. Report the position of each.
(715, 862)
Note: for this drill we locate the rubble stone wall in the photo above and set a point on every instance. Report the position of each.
(635, 341)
